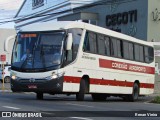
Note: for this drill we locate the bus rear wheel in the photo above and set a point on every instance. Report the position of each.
(135, 94)
(99, 97)
(80, 95)
(39, 96)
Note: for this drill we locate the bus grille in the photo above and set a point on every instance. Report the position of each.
(32, 81)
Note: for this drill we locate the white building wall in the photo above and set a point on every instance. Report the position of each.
(4, 34)
(154, 20)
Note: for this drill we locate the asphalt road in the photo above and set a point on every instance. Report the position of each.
(66, 107)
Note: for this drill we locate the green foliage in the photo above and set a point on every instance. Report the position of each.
(156, 100)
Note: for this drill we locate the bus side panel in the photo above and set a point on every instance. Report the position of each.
(112, 89)
(145, 91)
(71, 80)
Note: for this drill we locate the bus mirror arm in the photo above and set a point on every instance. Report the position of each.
(6, 43)
(69, 41)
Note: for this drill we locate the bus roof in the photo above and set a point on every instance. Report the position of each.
(62, 25)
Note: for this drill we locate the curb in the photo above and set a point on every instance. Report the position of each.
(5, 91)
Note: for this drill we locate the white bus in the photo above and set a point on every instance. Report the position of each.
(80, 58)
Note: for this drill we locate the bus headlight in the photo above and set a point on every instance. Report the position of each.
(54, 76)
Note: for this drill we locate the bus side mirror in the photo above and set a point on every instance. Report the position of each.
(6, 43)
(69, 41)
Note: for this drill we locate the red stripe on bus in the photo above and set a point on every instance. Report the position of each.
(144, 85)
(125, 66)
(111, 82)
(69, 79)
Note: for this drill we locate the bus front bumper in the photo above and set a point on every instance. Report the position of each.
(38, 85)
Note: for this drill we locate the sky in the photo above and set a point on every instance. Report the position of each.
(8, 9)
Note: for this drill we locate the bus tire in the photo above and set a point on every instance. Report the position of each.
(135, 94)
(39, 96)
(98, 97)
(80, 95)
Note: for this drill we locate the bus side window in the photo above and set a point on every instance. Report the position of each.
(72, 54)
(86, 46)
(114, 50)
(77, 34)
(101, 44)
(126, 49)
(137, 52)
(90, 43)
(93, 42)
(131, 51)
(141, 50)
(107, 46)
(149, 54)
(69, 55)
(119, 49)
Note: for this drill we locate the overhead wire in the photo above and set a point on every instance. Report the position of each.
(63, 11)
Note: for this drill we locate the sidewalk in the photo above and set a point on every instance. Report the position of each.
(157, 86)
(6, 86)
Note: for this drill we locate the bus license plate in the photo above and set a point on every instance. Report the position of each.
(32, 86)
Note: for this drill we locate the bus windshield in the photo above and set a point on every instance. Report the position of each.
(38, 51)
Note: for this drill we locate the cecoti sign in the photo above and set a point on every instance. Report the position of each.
(121, 18)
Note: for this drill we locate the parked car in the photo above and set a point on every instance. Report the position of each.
(6, 73)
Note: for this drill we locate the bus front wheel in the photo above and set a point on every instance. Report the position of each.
(80, 95)
(39, 96)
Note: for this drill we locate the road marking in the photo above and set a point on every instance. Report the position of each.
(29, 93)
(47, 113)
(81, 118)
(80, 105)
(15, 108)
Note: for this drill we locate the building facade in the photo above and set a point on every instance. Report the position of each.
(4, 34)
(33, 11)
(137, 18)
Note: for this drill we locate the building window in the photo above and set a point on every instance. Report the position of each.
(37, 3)
(93, 22)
